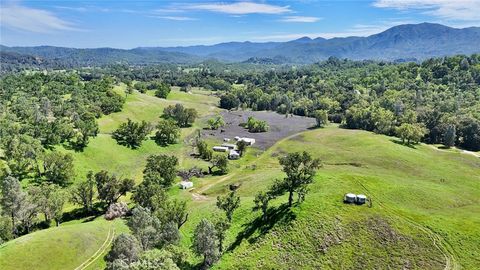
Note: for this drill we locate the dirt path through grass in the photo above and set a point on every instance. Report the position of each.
(108, 241)
(475, 154)
(198, 194)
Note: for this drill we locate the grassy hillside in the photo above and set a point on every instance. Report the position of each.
(64, 247)
(426, 209)
(128, 162)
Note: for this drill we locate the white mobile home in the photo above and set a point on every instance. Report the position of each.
(220, 149)
(229, 146)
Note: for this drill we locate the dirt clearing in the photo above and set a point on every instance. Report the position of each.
(280, 127)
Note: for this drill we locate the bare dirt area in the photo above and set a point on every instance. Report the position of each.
(280, 127)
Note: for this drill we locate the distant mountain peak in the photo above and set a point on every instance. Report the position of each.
(303, 39)
(408, 41)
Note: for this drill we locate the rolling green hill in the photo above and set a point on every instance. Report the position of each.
(425, 212)
(64, 247)
(103, 152)
(422, 217)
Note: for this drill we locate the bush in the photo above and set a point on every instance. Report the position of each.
(215, 123)
(254, 125)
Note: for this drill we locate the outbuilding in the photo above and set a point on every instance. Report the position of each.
(230, 146)
(248, 141)
(361, 199)
(233, 154)
(350, 198)
(186, 184)
(220, 149)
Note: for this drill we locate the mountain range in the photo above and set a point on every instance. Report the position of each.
(411, 42)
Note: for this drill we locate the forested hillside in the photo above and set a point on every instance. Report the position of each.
(436, 101)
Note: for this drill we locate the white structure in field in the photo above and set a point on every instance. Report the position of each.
(233, 154)
(186, 184)
(220, 149)
(350, 198)
(361, 199)
(230, 146)
(249, 141)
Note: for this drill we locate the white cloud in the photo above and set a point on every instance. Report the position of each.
(241, 8)
(463, 10)
(78, 9)
(32, 20)
(175, 18)
(301, 19)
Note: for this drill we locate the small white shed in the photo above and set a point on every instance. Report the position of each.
(186, 184)
(361, 199)
(350, 198)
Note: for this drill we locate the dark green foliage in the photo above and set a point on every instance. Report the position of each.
(150, 231)
(254, 125)
(167, 132)
(171, 210)
(450, 136)
(132, 134)
(205, 242)
(242, 147)
(109, 187)
(410, 133)
(221, 226)
(58, 168)
(321, 116)
(161, 170)
(229, 101)
(183, 116)
(469, 133)
(149, 195)
(83, 193)
(300, 169)
(220, 162)
(261, 201)
(216, 122)
(228, 203)
(161, 90)
(125, 248)
(87, 127)
(203, 151)
(50, 200)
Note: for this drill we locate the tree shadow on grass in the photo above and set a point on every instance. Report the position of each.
(402, 143)
(278, 215)
(80, 213)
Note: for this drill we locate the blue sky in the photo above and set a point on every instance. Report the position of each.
(129, 23)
